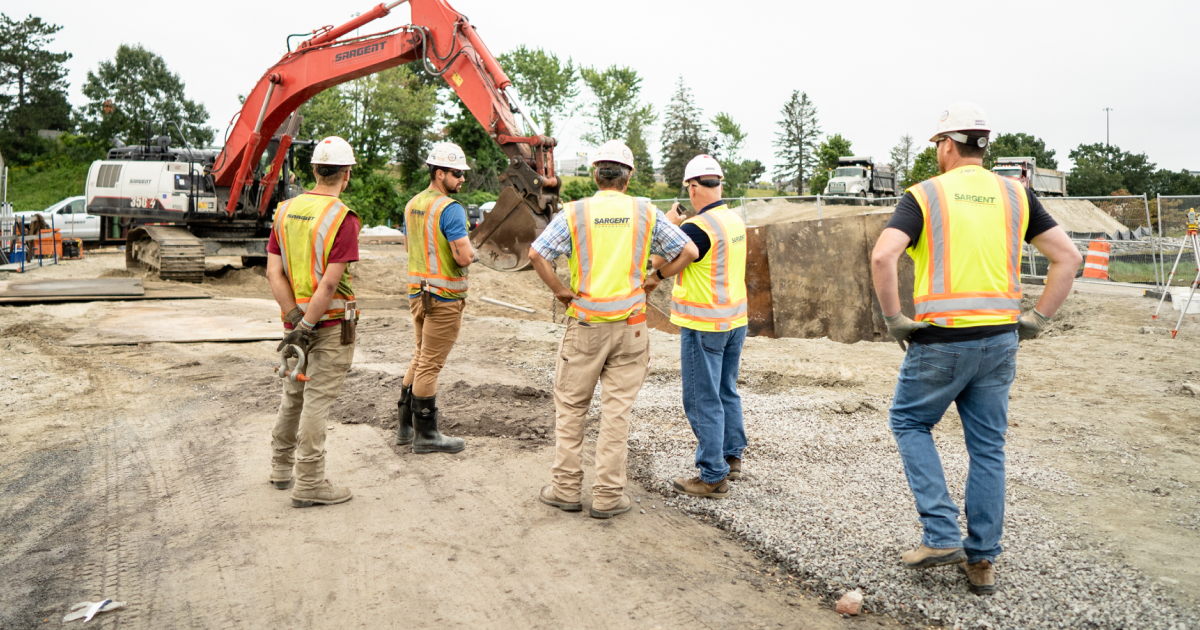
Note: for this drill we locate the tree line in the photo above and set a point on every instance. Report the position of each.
(392, 117)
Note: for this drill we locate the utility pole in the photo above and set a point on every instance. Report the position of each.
(1106, 111)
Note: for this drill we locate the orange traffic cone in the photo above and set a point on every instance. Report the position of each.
(1096, 264)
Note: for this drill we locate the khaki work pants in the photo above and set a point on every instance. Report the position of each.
(617, 355)
(436, 331)
(299, 434)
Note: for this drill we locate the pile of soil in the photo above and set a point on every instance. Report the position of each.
(768, 211)
(1081, 215)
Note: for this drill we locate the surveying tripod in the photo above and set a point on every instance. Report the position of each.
(1192, 230)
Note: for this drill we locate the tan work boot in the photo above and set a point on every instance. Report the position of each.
(549, 497)
(695, 487)
(281, 478)
(927, 557)
(981, 577)
(735, 468)
(324, 494)
(622, 506)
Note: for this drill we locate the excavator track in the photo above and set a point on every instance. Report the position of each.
(175, 253)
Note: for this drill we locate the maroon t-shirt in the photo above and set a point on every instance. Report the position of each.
(345, 249)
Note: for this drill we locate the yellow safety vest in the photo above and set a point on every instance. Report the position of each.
(710, 293)
(968, 258)
(305, 228)
(610, 245)
(429, 256)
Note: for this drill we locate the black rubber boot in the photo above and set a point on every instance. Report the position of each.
(404, 432)
(428, 438)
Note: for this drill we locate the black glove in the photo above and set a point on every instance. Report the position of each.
(298, 336)
(294, 316)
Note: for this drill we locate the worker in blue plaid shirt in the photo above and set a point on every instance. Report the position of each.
(606, 340)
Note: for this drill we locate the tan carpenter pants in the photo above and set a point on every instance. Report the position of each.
(436, 332)
(299, 434)
(616, 354)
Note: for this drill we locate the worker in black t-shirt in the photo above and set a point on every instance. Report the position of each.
(964, 231)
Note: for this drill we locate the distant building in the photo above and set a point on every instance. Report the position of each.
(659, 177)
(577, 165)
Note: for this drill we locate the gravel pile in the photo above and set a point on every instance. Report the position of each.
(824, 494)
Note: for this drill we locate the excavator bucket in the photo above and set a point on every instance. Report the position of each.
(504, 235)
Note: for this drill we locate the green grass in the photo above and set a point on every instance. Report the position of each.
(38, 186)
(761, 192)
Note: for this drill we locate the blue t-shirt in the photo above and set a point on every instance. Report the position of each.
(453, 224)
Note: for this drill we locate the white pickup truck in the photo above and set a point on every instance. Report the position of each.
(70, 217)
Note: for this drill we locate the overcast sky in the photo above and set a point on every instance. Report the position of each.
(875, 70)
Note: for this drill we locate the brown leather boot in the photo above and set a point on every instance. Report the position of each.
(622, 506)
(324, 494)
(981, 577)
(735, 468)
(281, 469)
(927, 557)
(695, 487)
(549, 497)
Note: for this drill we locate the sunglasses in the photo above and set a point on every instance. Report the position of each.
(457, 174)
(707, 183)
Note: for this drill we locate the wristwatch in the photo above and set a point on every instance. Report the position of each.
(658, 272)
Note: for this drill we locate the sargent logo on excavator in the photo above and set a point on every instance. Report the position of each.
(361, 51)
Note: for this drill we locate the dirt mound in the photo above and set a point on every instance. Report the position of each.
(769, 211)
(123, 273)
(1081, 215)
(488, 409)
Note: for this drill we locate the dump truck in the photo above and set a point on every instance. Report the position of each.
(859, 177)
(1046, 182)
(174, 205)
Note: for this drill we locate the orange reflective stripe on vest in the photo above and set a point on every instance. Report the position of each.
(710, 293)
(305, 228)
(608, 268)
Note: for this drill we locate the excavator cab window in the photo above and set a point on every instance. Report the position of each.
(183, 182)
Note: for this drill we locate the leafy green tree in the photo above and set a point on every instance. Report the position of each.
(727, 145)
(925, 166)
(828, 152)
(902, 158)
(684, 133)
(579, 189)
(1165, 182)
(33, 88)
(1019, 145)
(136, 88)
(547, 85)
(797, 139)
(643, 173)
(1101, 169)
(617, 92)
(486, 158)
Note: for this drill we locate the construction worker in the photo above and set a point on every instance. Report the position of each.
(439, 253)
(963, 230)
(708, 303)
(315, 238)
(609, 239)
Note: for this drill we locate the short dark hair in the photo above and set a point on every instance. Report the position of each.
(971, 149)
(612, 175)
(433, 169)
(329, 174)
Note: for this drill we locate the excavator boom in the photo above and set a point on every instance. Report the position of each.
(451, 48)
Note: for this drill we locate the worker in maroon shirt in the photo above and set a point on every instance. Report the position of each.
(316, 300)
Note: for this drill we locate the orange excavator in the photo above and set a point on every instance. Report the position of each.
(227, 210)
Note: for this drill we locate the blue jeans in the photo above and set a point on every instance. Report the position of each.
(976, 376)
(709, 363)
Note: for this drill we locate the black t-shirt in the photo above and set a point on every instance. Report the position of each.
(697, 234)
(908, 219)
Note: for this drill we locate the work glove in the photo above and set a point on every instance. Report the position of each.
(298, 336)
(294, 316)
(902, 327)
(1031, 324)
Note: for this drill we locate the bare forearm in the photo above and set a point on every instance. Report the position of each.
(281, 290)
(689, 255)
(887, 287)
(463, 251)
(545, 271)
(1059, 279)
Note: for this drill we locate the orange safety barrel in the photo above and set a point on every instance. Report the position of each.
(1096, 263)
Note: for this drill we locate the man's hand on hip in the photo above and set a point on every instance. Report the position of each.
(565, 295)
(902, 327)
(1031, 324)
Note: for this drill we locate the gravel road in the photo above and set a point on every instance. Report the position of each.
(824, 495)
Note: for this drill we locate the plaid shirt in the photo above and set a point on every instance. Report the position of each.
(666, 240)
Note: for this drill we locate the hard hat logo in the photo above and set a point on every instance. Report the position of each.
(945, 115)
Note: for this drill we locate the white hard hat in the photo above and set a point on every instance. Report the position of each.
(449, 155)
(614, 151)
(700, 166)
(962, 117)
(333, 151)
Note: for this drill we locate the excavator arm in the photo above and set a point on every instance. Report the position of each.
(449, 47)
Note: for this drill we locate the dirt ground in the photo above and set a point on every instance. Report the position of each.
(139, 472)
